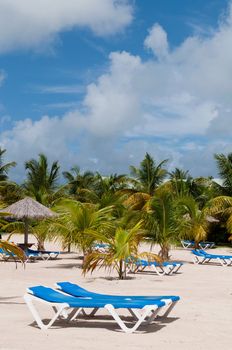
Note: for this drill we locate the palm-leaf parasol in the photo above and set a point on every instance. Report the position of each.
(26, 209)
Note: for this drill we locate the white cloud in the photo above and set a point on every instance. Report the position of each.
(30, 24)
(111, 103)
(50, 135)
(157, 41)
(176, 107)
(2, 77)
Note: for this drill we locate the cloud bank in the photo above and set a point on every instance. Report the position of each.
(176, 104)
(28, 24)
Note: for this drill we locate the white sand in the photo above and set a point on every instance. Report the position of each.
(201, 320)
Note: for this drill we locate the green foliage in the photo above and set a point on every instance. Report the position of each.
(41, 181)
(10, 192)
(149, 175)
(203, 189)
(221, 207)
(195, 224)
(112, 184)
(4, 168)
(162, 223)
(180, 182)
(13, 250)
(224, 164)
(78, 181)
(78, 222)
(122, 245)
(115, 209)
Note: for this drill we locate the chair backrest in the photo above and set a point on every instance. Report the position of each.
(202, 251)
(197, 252)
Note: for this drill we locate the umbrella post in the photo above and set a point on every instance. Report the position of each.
(26, 232)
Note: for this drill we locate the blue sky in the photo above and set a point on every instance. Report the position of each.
(100, 82)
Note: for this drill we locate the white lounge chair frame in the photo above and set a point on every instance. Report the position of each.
(204, 260)
(146, 314)
(159, 270)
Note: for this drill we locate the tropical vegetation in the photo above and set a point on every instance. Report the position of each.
(151, 205)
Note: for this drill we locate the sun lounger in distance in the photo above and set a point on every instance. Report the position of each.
(191, 244)
(164, 268)
(44, 254)
(202, 257)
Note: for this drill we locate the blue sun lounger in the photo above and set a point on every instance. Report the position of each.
(44, 254)
(77, 291)
(69, 307)
(101, 247)
(29, 256)
(203, 245)
(202, 257)
(164, 268)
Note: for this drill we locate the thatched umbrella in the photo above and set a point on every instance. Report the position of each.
(26, 209)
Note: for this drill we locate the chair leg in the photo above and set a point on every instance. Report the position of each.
(220, 261)
(60, 308)
(74, 313)
(169, 270)
(91, 314)
(157, 271)
(135, 313)
(169, 309)
(146, 311)
(178, 267)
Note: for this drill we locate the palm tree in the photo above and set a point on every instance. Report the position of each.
(180, 181)
(121, 245)
(13, 250)
(224, 164)
(4, 168)
(41, 181)
(112, 183)
(78, 181)
(10, 192)
(149, 175)
(221, 207)
(162, 222)
(195, 220)
(203, 189)
(78, 222)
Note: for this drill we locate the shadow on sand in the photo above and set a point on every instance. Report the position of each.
(106, 322)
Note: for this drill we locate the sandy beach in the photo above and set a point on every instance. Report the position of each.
(202, 319)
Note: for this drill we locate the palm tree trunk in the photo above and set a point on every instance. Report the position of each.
(120, 272)
(164, 252)
(124, 272)
(40, 244)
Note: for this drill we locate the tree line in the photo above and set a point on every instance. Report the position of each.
(121, 211)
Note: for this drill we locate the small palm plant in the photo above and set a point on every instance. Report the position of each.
(8, 247)
(195, 224)
(78, 223)
(13, 250)
(122, 245)
(162, 222)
